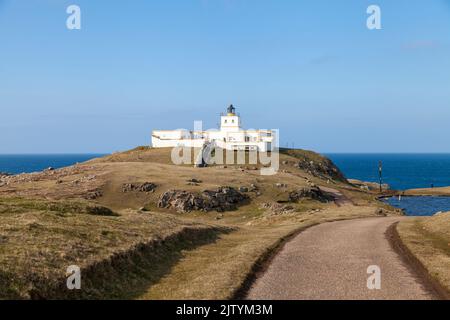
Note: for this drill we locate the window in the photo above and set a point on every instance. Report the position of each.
(225, 121)
(232, 121)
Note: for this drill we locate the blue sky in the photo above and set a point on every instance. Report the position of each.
(308, 68)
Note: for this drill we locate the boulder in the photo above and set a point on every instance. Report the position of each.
(193, 180)
(93, 194)
(222, 199)
(311, 192)
(281, 185)
(139, 187)
(369, 186)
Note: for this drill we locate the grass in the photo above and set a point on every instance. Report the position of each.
(444, 191)
(220, 269)
(118, 255)
(428, 239)
(46, 225)
(18, 205)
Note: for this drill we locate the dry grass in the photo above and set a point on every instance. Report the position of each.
(46, 224)
(218, 270)
(39, 240)
(444, 191)
(428, 238)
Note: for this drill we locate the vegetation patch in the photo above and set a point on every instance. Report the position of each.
(16, 205)
(428, 239)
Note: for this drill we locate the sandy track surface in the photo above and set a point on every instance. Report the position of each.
(330, 261)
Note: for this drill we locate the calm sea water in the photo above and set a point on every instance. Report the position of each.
(420, 206)
(31, 163)
(400, 171)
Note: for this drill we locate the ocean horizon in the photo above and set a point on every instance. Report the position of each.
(400, 170)
(27, 163)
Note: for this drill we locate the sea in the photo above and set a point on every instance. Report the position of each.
(400, 171)
(15, 164)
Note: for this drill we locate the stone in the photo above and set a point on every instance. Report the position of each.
(312, 192)
(193, 180)
(139, 187)
(243, 189)
(93, 194)
(220, 200)
(277, 208)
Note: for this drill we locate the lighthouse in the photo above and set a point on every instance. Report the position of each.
(231, 122)
(230, 136)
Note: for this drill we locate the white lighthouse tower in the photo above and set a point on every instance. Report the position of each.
(230, 122)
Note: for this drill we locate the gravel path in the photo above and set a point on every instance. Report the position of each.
(330, 261)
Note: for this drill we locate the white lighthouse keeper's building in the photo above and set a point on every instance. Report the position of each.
(230, 136)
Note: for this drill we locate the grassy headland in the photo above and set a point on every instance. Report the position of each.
(105, 215)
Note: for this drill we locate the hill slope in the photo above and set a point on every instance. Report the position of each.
(103, 214)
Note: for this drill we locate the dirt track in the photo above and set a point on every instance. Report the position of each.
(330, 261)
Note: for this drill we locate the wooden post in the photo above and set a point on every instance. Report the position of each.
(380, 173)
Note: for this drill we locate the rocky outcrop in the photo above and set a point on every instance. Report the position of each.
(314, 164)
(313, 193)
(222, 199)
(139, 187)
(322, 169)
(369, 186)
(277, 208)
(93, 194)
(3, 178)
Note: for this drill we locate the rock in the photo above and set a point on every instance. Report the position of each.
(281, 185)
(369, 186)
(380, 212)
(278, 208)
(93, 194)
(243, 189)
(285, 162)
(324, 168)
(139, 187)
(222, 199)
(193, 180)
(312, 192)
